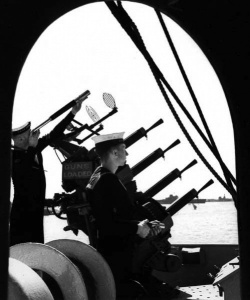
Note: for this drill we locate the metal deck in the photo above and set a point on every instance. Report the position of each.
(200, 292)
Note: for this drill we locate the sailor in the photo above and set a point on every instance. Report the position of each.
(113, 209)
(26, 217)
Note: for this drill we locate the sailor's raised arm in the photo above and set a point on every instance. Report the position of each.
(57, 132)
(75, 109)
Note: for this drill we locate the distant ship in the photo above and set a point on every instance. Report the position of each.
(171, 198)
(220, 199)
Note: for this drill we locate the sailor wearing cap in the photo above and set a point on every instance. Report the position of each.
(22, 129)
(21, 136)
(112, 207)
(111, 149)
(26, 218)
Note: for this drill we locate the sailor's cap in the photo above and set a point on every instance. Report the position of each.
(105, 141)
(21, 129)
(108, 137)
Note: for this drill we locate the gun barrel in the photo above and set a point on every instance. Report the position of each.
(180, 203)
(194, 162)
(134, 137)
(206, 185)
(143, 164)
(160, 185)
(159, 122)
(175, 143)
(165, 181)
(138, 134)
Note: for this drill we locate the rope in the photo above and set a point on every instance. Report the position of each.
(213, 148)
(131, 29)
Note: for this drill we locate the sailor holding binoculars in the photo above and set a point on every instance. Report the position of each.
(26, 217)
(113, 209)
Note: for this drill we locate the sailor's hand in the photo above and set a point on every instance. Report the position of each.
(143, 228)
(70, 127)
(156, 227)
(33, 138)
(77, 107)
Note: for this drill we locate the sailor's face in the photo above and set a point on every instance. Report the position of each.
(121, 154)
(22, 140)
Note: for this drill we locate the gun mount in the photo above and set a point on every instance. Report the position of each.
(154, 252)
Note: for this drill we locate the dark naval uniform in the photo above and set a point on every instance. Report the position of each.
(116, 228)
(26, 217)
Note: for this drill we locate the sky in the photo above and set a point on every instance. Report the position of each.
(87, 49)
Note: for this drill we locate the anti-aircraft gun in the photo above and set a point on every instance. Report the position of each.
(78, 166)
(79, 163)
(155, 251)
(76, 171)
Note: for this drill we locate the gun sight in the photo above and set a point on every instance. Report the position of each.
(83, 96)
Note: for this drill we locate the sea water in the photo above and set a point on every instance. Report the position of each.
(208, 223)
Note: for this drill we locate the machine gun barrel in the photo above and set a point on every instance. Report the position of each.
(180, 203)
(63, 109)
(165, 181)
(143, 164)
(138, 134)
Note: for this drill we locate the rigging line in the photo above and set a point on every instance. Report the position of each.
(138, 36)
(119, 15)
(226, 171)
(232, 192)
(185, 77)
(131, 30)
